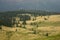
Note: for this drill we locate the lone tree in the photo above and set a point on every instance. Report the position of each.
(46, 34)
(35, 28)
(24, 18)
(24, 22)
(0, 27)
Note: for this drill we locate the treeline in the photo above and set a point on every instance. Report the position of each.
(6, 17)
(33, 12)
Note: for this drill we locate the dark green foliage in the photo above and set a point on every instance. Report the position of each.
(34, 32)
(46, 34)
(33, 12)
(45, 19)
(9, 14)
(0, 27)
(33, 19)
(24, 17)
(24, 22)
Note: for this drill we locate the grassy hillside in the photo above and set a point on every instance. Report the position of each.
(42, 26)
(47, 30)
(26, 35)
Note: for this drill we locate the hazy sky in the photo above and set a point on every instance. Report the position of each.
(50, 5)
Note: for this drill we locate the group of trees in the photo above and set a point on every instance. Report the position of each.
(25, 17)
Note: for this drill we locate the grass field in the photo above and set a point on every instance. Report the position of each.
(50, 26)
(26, 36)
